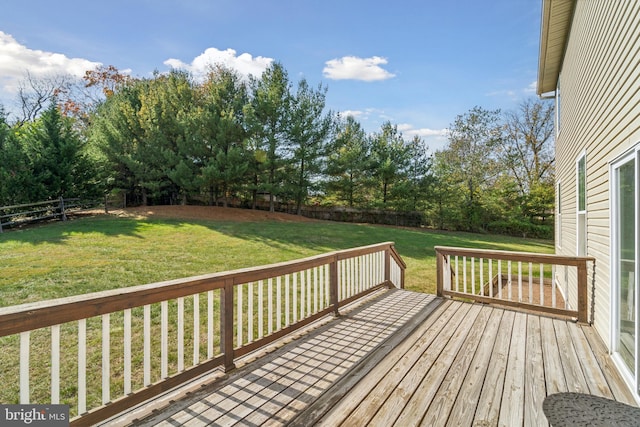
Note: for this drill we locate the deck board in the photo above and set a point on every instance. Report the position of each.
(409, 359)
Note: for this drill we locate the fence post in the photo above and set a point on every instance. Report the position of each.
(583, 316)
(333, 285)
(63, 216)
(226, 324)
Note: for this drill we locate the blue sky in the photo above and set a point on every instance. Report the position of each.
(417, 64)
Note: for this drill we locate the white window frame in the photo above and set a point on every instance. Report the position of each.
(581, 214)
(629, 378)
(559, 215)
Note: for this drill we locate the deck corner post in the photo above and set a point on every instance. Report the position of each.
(583, 316)
(333, 286)
(387, 265)
(226, 325)
(439, 278)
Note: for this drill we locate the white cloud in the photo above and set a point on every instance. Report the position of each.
(532, 88)
(352, 113)
(16, 60)
(245, 64)
(354, 68)
(409, 130)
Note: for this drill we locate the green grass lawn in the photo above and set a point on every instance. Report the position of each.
(107, 252)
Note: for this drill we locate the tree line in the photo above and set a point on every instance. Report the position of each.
(227, 139)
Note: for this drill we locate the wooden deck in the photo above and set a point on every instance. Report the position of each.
(405, 359)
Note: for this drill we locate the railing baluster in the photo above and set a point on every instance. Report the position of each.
(250, 309)
(464, 274)
(295, 297)
(127, 351)
(323, 302)
(303, 295)
(24, 366)
(239, 320)
(180, 334)
(82, 366)
(490, 278)
(530, 283)
(500, 278)
(308, 291)
(519, 281)
(509, 281)
(146, 344)
(315, 289)
(260, 310)
(541, 284)
(553, 286)
(164, 343)
(106, 353)
(279, 303)
(473, 275)
(210, 337)
(196, 329)
(55, 364)
(287, 306)
(482, 276)
(342, 288)
(270, 305)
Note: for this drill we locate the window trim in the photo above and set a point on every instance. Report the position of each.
(581, 214)
(559, 214)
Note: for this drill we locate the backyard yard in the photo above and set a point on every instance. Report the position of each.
(94, 252)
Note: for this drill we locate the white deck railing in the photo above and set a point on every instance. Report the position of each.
(102, 353)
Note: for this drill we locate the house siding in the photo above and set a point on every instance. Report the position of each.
(600, 90)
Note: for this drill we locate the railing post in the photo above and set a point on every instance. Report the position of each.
(387, 265)
(439, 278)
(226, 324)
(333, 285)
(583, 316)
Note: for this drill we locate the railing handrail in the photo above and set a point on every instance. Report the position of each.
(30, 316)
(515, 255)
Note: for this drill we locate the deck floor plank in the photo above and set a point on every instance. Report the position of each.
(535, 390)
(594, 377)
(512, 414)
(466, 402)
(461, 364)
(554, 375)
(570, 363)
(488, 408)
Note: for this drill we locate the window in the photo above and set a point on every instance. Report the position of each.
(581, 189)
(558, 216)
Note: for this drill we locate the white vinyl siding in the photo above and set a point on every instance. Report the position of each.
(600, 83)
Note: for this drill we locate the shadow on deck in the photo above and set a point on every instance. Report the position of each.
(404, 358)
